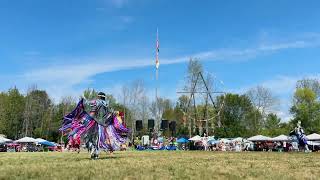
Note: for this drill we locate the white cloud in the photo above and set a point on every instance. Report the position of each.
(61, 79)
(285, 116)
(286, 84)
(76, 73)
(282, 87)
(295, 44)
(279, 85)
(247, 53)
(282, 84)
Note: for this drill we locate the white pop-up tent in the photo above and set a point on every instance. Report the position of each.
(238, 139)
(195, 138)
(313, 137)
(259, 138)
(281, 138)
(26, 140)
(225, 140)
(4, 140)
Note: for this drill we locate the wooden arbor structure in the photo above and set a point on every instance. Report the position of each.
(191, 112)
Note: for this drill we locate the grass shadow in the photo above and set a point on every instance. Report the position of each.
(111, 157)
(101, 158)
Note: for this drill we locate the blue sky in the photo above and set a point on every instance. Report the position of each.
(67, 46)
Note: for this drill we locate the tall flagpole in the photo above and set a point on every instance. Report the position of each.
(157, 63)
(157, 74)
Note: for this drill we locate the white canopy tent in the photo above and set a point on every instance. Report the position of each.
(313, 137)
(26, 140)
(224, 140)
(238, 139)
(281, 138)
(4, 140)
(195, 138)
(313, 143)
(259, 138)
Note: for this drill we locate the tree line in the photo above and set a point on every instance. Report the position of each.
(232, 115)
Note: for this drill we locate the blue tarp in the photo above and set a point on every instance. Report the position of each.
(171, 148)
(213, 141)
(47, 143)
(182, 140)
(140, 148)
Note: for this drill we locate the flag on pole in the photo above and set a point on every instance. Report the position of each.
(157, 51)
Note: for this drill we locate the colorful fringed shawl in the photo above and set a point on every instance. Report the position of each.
(79, 125)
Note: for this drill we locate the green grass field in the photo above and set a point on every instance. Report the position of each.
(160, 165)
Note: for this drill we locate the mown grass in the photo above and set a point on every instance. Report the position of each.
(161, 165)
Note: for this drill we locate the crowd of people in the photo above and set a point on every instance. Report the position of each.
(237, 146)
(101, 128)
(28, 147)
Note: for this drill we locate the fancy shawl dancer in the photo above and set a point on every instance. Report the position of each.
(101, 128)
(300, 137)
